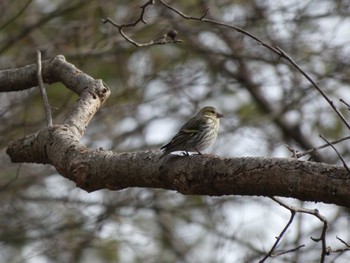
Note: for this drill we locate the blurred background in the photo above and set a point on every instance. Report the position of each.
(266, 102)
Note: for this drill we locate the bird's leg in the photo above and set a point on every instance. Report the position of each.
(199, 153)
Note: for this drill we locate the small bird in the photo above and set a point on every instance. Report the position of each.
(197, 134)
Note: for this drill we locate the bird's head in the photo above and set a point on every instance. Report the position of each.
(210, 112)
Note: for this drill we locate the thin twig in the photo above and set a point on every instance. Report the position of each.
(347, 104)
(287, 251)
(161, 41)
(42, 90)
(293, 151)
(325, 250)
(283, 54)
(164, 40)
(297, 154)
(276, 50)
(330, 102)
(340, 157)
(345, 243)
(138, 20)
(269, 254)
(340, 250)
(205, 14)
(210, 21)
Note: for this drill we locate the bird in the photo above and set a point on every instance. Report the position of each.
(197, 134)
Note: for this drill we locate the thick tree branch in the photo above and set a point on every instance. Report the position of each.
(53, 70)
(93, 169)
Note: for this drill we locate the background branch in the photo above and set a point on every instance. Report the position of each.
(93, 169)
(314, 212)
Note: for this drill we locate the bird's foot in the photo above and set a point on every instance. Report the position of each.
(199, 153)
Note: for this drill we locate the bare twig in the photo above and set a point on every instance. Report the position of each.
(330, 102)
(210, 21)
(276, 50)
(325, 250)
(293, 151)
(138, 20)
(287, 251)
(162, 41)
(42, 90)
(340, 157)
(205, 14)
(340, 250)
(345, 243)
(297, 154)
(269, 254)
(347, 104)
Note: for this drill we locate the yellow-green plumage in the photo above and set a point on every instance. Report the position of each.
(197, 134)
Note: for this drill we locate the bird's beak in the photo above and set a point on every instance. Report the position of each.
(219, 115)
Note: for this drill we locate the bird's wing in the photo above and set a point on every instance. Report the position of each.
(188, 130)
(193, 125)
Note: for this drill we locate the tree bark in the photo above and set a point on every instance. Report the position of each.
(93, 169)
